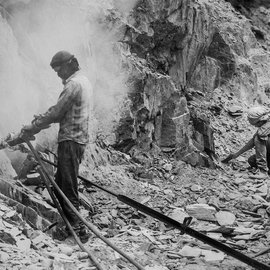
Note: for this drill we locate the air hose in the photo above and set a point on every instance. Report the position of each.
(59, 208)
(89, 225)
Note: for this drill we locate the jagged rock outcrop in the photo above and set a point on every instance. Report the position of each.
(257, 11)
(250, 3)
(182, 50)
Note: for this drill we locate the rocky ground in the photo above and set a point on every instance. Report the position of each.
(216, 198)
(226, 204)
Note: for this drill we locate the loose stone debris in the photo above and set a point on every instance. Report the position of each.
(233, 213)
(22, 247)
(225, 218)
(226, 202)
(202, 211)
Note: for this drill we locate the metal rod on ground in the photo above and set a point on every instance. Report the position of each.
(202, 237)
(50, 226)
(262, 252)
(90, 226)
(59, 208)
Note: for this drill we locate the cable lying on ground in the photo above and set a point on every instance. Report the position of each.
(59, 208)
(182, 227)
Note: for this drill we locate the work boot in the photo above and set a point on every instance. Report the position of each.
(67, 231)
(84, 234)
(63, 233)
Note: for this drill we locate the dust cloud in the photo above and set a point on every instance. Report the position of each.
(32, 31)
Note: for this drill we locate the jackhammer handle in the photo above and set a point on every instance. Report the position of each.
(15, 139)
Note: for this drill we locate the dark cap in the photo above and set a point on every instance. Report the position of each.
(60, 58)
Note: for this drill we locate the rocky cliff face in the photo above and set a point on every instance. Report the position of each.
(187, 61)
(258, 13)
(184, 52)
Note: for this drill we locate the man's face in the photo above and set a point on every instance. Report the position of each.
(62, 71)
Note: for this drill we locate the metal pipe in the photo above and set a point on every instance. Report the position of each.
(90, 226)
(59, 208)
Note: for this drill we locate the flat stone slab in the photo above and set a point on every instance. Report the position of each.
(31, 205)
(202, 211)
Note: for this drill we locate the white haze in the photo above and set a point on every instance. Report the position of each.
(31, 33)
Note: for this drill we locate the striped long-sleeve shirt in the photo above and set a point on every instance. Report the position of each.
(72, 110)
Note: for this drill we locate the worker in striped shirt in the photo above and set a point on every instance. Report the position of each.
(72, 112)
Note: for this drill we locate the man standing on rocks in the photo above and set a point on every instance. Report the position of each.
(72, 112)
(259, 117)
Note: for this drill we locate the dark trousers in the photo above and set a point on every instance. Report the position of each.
(261, 159)
(69, 158)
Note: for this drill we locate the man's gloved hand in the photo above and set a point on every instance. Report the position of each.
(36, 117)
(228, 158)
(30, 129)
(28, 132)
(36, 122)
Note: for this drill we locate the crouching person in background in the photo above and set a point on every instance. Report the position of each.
(259, 117)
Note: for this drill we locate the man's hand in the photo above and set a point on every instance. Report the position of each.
(30, 129)
(28, 132)
(228, 158)
(36, 117)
